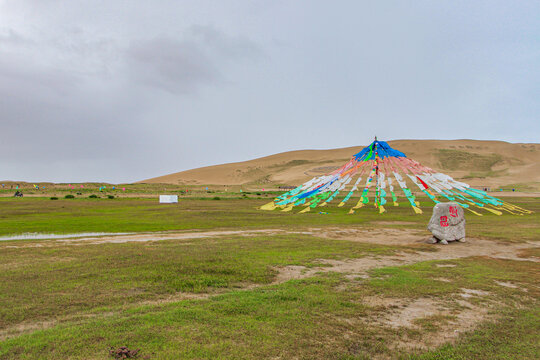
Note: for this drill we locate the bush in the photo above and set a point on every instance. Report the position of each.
(110, 196)
(259, 194)
(54, 198)
(69, 196)
(216, 198)
(93, 196)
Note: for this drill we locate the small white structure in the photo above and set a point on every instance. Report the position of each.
(168, 199)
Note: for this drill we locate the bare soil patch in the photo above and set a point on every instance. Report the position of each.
(393, 223)
(447, 322)
(506, 284)
(467, 293)
(380, 236)
(29, 327)
(474, 247)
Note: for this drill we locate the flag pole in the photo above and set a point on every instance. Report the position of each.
(376, 174)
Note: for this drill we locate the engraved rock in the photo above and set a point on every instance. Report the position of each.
(447, 222)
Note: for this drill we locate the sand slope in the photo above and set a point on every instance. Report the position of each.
(480, 163)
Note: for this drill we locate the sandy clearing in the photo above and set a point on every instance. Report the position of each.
(464, 320)
(450, 322)
(29, 327)
(468, 293)
(406, 315)
(379, 236)
(393, 223)
(506, 284)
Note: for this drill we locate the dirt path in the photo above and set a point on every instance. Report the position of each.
(409, 238)
(157, 236)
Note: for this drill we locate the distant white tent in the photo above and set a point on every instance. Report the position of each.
(168, 199)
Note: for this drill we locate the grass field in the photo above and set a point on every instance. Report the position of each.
(42, 215)
(228, 297)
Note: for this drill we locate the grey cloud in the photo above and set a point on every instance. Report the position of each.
(34, 129)
(230, 48)
(183, 65)
(50, 109)
(34, 83)
(68, 105)
(103, 90)
(174, 66)
(11, 37)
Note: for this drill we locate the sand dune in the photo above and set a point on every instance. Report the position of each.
(480, 163)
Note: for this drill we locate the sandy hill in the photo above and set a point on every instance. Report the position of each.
(479, 163)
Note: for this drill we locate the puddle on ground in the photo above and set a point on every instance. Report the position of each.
(42, 236)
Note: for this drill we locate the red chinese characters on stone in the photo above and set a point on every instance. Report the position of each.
(444, 221)
(453, 211)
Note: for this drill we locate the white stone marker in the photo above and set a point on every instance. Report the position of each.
(447, 223)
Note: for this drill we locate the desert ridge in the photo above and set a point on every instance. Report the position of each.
(481, 163)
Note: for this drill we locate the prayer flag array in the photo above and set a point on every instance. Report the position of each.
(383, 168)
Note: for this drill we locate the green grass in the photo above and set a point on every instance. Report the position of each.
(526, 187)
(280, 321)
(36, 283)
(513, 337)
(463, 160)
(28, 215)
(423, 279)
(103, 295)
(302, 318)
(433, 323)
(485, 175)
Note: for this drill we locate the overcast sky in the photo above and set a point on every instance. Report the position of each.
(120, 91)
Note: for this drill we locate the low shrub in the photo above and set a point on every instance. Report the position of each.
(69, 196)
(110, 196)
(54, 198)
(216, 198)
(93, 196)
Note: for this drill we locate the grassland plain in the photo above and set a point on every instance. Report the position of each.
(217, 298)
(42, 215)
